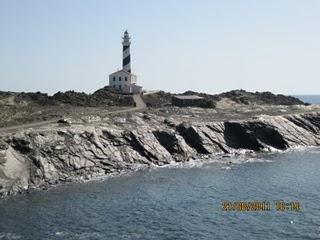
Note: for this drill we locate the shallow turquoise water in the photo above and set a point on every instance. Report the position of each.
(176, 203)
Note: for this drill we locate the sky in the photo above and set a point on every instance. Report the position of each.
(177, 45)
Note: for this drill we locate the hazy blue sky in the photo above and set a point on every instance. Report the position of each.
(203, 45)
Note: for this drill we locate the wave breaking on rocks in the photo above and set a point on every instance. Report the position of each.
(38, 158)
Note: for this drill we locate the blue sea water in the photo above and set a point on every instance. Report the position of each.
(313, 99)
(178, 202)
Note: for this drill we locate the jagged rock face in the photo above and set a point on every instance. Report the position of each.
(253, 135)
(38, 158)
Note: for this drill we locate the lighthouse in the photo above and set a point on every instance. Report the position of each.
(123, 81)
(126, 52)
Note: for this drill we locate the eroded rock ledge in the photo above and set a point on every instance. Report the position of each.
(40, 157)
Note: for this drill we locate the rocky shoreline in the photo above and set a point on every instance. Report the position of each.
(54, 154)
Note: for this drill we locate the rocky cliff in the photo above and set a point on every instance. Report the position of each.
(37, 158)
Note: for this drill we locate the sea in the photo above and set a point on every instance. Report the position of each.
(200, 199)
(313, 99)
(183, 201)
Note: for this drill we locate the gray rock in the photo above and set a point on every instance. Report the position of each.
(39, 158)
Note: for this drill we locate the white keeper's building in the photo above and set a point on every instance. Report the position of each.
(123, 80)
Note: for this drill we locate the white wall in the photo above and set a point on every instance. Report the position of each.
(125, 85)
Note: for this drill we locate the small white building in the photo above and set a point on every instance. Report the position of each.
(123, 80)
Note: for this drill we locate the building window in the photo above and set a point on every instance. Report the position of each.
(119, 78)
(114, 78)
(126, 78)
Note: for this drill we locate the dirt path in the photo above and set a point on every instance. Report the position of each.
(139, 105)
(28, 125)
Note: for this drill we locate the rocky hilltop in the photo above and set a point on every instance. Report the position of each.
(20, 107)
(102, 97)
(163, 99)
(37, 158)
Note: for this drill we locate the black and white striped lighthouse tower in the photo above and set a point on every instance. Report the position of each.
(126, 52)
(123, 80)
